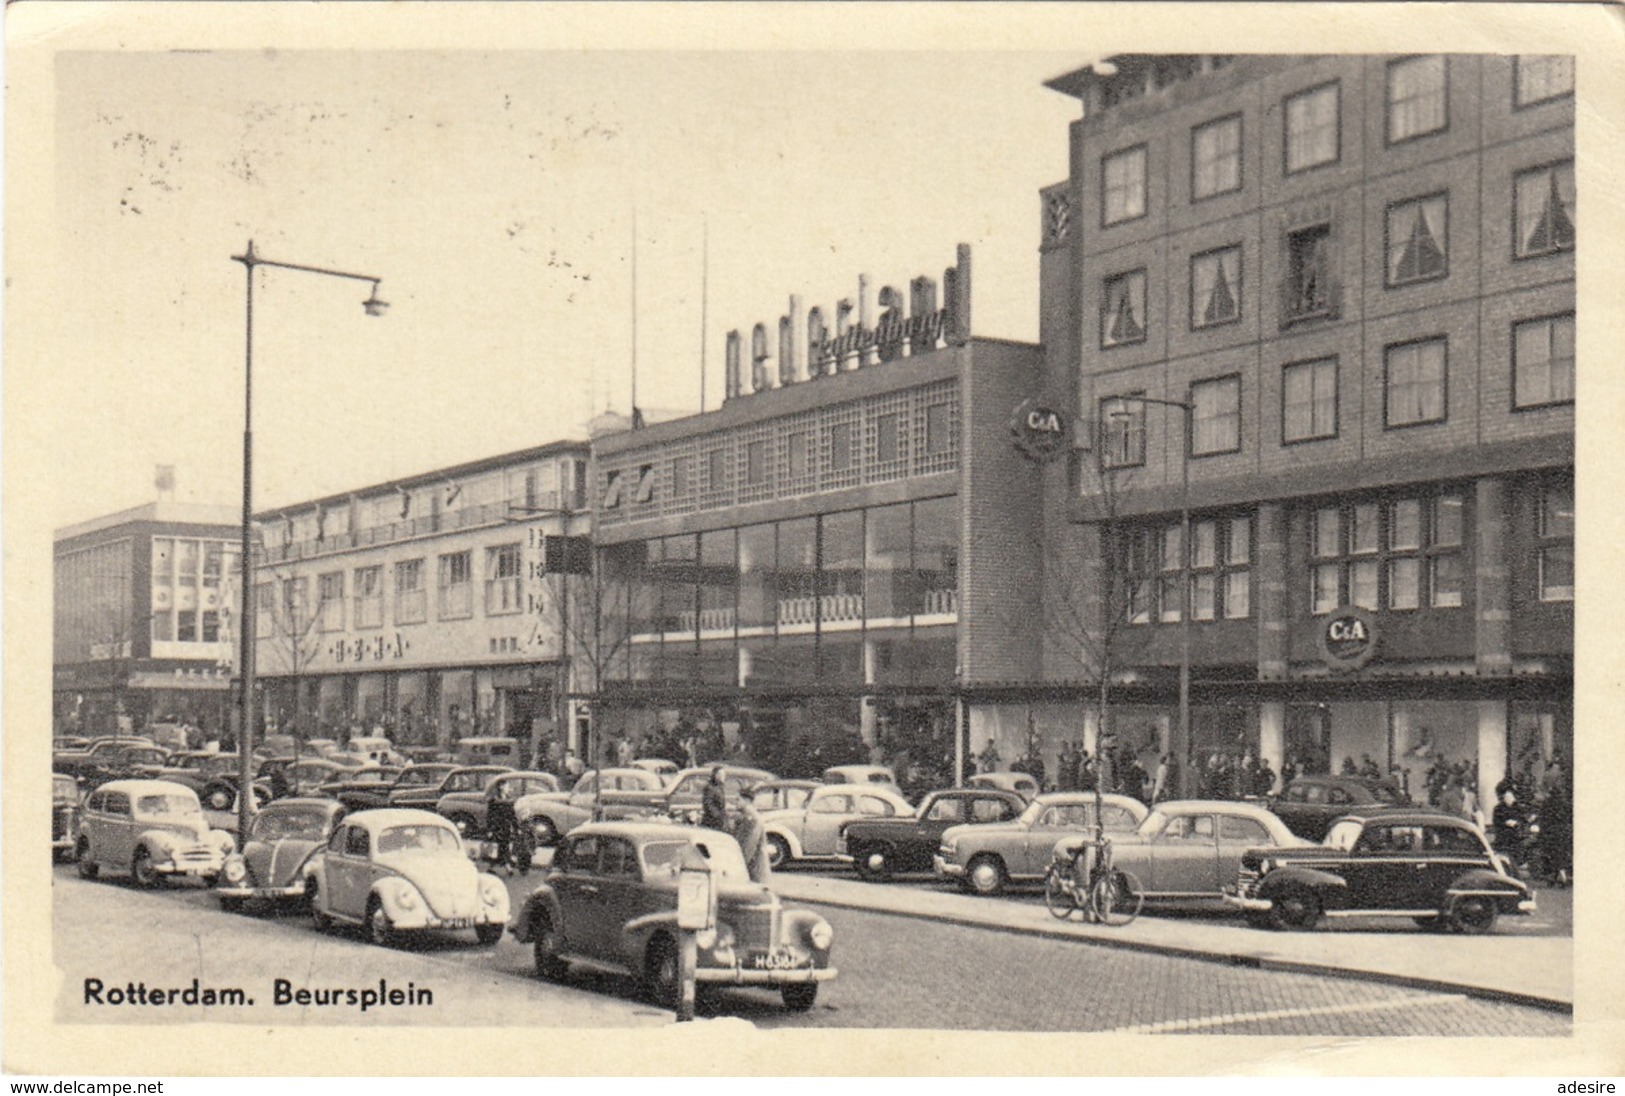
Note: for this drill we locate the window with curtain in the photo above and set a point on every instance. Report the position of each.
(1216, 416)
(1122, 313)
(1416, 240)
(1122, 432)
(1415, 383)
(1417, 97)
(1216, 287)
(1216, 157)
(1543, 199)
(1543, 361)
(1309, 400)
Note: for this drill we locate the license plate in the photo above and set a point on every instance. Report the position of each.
(457, 923)
(779, 960)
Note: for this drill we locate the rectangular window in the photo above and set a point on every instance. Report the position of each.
(1444, 546)
(1309, 400)
(369, 597)
(210, 626)
(938, 427)
(840, 447)
(1404, 564)
(411, 599)
(1557, 543)
(1415, 384)
(756, 462)
(264, 610)
(1141, 547)
(1122, 432)
(1541, 77)
(1543, 362)
(716, 470)
(1237, 576)
(1204, 567)
(1216, 416)
(502, 593)
(1543, 204)
(1172, 557)
(1400, 554)
(1122, 310)
(1417, 97)
(1309, 288)
(1216, 287)
(330, 601)
(888, 441)
(1417, 240)
(1217, 571)
(1123, 186)
(1312, 128)
(456, 590)
(796, 464)
(682, 477)
(1216, 157)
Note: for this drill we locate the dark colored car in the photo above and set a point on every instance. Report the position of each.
(110, 759)
(1310, 804)
(1432, 867)
(610, 900)
(64, 815)
(212, 775)
(271, 866)
(686, 790)
(881, 846)
(472, 778)
(364, 793)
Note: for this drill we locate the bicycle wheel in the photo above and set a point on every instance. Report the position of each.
(1059, 894)
(1116, 898)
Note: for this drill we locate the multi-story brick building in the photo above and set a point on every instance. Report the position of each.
(1336, 296)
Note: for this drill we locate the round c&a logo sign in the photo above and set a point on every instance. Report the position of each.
(1040, 431)
(1348, 638)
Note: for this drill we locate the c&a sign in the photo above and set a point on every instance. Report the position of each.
(1347, 637)
(1040, 431)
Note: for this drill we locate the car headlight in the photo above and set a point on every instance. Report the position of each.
(491, 891)
(235, 871)
(821, 936)
(406, 898)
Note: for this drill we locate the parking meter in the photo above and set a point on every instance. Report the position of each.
(696, 912)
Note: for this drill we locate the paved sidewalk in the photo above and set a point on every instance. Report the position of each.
(1508, 964)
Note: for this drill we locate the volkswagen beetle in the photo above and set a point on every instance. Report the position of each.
(271, 867)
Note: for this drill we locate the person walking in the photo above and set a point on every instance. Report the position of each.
(752, 838)
(500, 824)
(714, 802)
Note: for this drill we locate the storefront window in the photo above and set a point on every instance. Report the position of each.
(889, 591)
(675, 569)
(936, 555)
(798, 573)
(841, 573)
(757, 561)
(718, 575)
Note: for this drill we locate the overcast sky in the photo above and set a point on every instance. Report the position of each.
(494, 194)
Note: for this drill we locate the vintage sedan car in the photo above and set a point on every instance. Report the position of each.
(392, 871)
(150, 828)
(863, 774)
(213, 775)
(271, 866)
(660, 766)
(467, 809)
(598, 794)
(1023, 784)
(878, 847)
(812, 831)
(367, 794)
(987, 858)
(373, 779)
(1189, 850)
(778, 795)
(118, 758)
(684, 793)
(468, 778)
(610, 899)
(64, 815)
(1432, 867)
(1310, 804)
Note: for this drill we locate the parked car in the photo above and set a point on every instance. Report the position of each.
(610, 898)
(471, 778)
(879, 847)
(863, 774)
(812, 831)
(660, 766)
(987, 858)
(271, 866)
(778, 795)
(1432, 867)
(150, 828)
(374, 750)
(393, 871)
(273, 747)
(1023, 784)
(64, 815)
(604, 793)
(377, 779)
(1310, 804)
(683, 794)
(1191, 849)
(467, 809)
(70, 743)
(305, 777)
(366, 794)
(110, 759)
(213, 775)
(487, 751)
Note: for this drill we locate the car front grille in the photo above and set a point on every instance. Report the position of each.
(194, 854)
(61, 823)
(1247, 882)
(755, 925)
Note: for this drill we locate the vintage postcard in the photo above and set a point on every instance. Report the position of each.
(810, 539)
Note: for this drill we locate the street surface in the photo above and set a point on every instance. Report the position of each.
(895, 973)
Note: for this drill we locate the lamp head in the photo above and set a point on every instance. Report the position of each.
(373, 305)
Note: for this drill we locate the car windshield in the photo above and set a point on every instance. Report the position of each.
(306, 825)
(160, 805)
(1343, 835)
(418, 839)
(724, 857)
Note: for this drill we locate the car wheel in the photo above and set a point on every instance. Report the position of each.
(799, 997)
(219, 798)
(318, 917)
(379, 930)
(661, 978)
(874, 864)
(985, 875)
(545, 949)
(488, 934)
(465, 825)
(778, 851)
(88, 868)
(547, 834)
(142, 870)
(1295, 907)
(1473, 914)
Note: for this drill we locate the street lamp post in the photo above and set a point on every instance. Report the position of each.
(246, 626)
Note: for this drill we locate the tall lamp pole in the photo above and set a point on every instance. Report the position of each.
(246, 625)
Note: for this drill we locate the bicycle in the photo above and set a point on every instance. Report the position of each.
(1106, 894)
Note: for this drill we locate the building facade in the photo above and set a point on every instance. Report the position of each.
(432, 609)
(141, 619)
(1324, 306)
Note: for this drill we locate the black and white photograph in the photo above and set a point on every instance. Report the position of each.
(833, 539)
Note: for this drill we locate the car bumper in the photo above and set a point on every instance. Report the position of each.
(1250, 905)
(449, 924)
(292, 890)
(947, 868)
(62, 844)
(746, 976)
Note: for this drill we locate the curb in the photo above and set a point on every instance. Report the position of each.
(1234, 959)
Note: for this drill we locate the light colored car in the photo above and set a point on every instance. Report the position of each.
(812, 831)
(778, 795)
(660, 766)
(271, 867)
(863, 774)
(150, 828)
(375, 750)
(610, 899)
(1022, 784)
(1191, 849)
(393, 871)
(986, 858)
(64, 815)
(600, 793)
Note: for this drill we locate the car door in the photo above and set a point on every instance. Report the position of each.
(1185, 858)
(1386, 870)
(93, 826)
(118, 830)
(1036, 847)
(575, 887)
(821, 823)
(934, 819)
(620, 885)
(349, 873)
(1236, 835)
